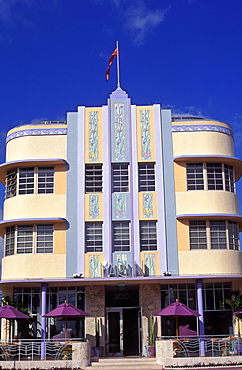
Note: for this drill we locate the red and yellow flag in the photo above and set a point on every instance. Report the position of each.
(110, 63)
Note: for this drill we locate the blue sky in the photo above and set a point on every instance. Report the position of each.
(183, 54)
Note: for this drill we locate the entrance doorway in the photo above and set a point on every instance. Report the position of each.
(123, 331)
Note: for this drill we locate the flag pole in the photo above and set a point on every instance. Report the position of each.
(118, 72)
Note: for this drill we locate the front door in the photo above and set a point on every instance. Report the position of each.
(123, 331)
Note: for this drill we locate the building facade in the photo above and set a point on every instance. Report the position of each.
(120, 210)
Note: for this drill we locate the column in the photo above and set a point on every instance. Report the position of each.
(43, 320)
(201, 317)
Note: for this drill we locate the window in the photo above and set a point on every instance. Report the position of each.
(214, 176)
(214, 234)
(233, 235)
(11, 183)
(29, 239)
(229, 178)
(121, 239)
(195, 176)
(26, 180)
(120, 178)
(45, 180)
(148, 236)
(44, 239)
(146, 177)
(93, 178)
(94, 237)
(24, 239)
(218, 235)
(9, 243)
(198, 235)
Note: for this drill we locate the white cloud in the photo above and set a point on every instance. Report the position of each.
(140, 20)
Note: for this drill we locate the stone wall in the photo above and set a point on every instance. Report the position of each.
(150, 303)
(95, 305)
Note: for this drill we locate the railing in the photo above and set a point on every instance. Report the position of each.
(209, 346)
(33, 350)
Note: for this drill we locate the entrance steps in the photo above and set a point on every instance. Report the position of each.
(123, 363)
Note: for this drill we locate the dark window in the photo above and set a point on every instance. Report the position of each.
(45, 180)
(9, 241)
(148, 236)
(93, 178)
(44, 239)
(195, 176)
(121, 239)
(120, 177)
(198, 235)
(24, 239)
(229, 178)
(11, 183)
(218, 234)
(26, 180)
(233, 235)
(214, 176)
(146, 177)
(94, 237)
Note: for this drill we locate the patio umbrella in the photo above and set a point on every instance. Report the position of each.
(177, 309)
(66, 310)
(11, 313)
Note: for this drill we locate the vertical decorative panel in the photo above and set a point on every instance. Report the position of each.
(94, 266)
(148, 205)
(122, 264)
(119, 131)
(149, 263)
(120, 206)
(93, 136)
(94, 208)
(145, 134)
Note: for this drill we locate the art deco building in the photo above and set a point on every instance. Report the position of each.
(120, 210)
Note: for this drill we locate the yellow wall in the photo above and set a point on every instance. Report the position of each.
(152, 134)
(100, 134)
(209, 262)
(202, 143)
(200, 201)
(180, 176)
(183, 241)
(36, 147)
(34, 266)
(35, 206)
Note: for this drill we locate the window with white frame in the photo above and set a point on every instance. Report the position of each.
(214, 176)
(44, 242)
(94, 237)
(218, 238)
(146, 176)
(25, 239)
(93, 178)
(29, 180)
(121, 236)
(229, 178)
(9, 241)
(198, 234)
(148, 236)
(210, 176)
(120, 177)
(11, 183)
(214, 234)
(26, 180)
(45, 180)
(195, 176)
(233, 235)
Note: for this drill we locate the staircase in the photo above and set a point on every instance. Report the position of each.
(124, 363)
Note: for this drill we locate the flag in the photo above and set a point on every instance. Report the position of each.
(110, 63)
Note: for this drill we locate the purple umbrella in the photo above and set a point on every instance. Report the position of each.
(11, 313)
(66, 310)
(177, 309)
(238, 312)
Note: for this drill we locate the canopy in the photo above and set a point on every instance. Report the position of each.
(66, 310)
(9, 312)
